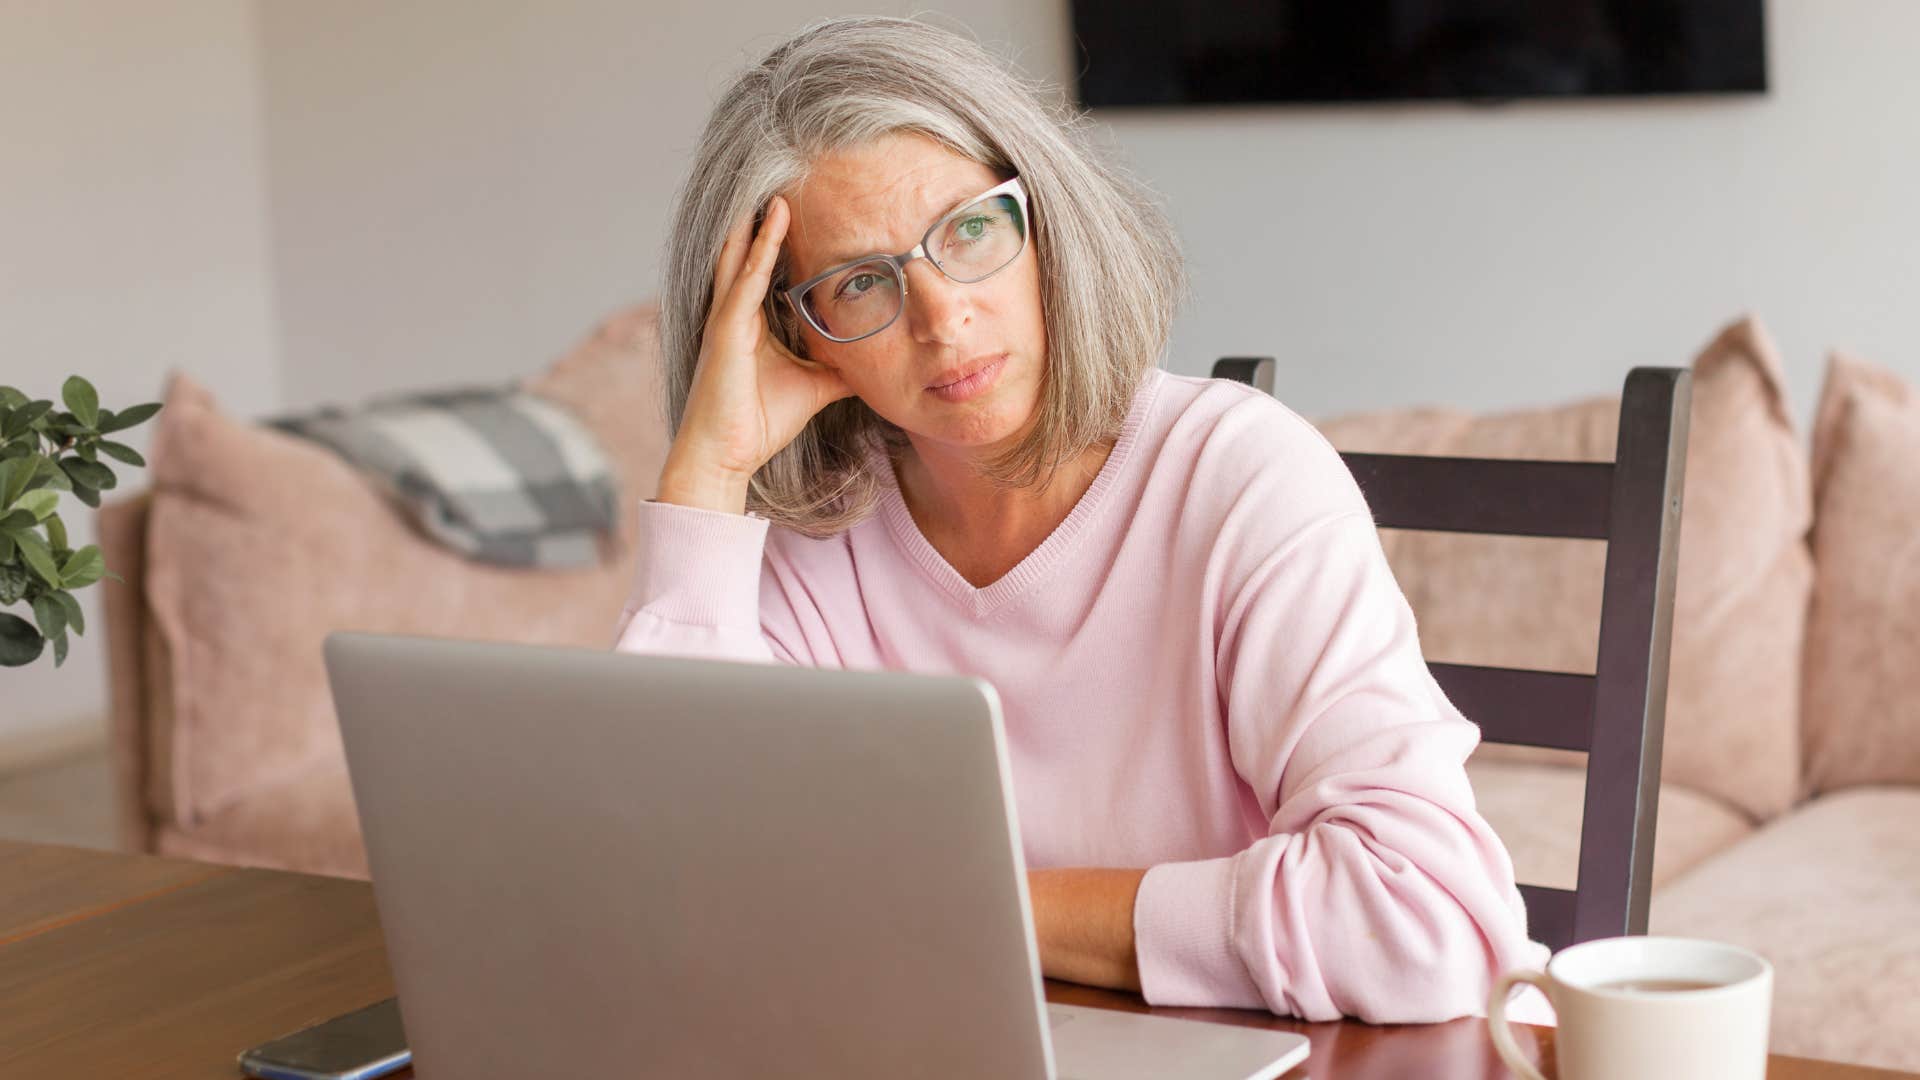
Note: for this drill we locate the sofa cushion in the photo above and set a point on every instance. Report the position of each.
(1740, 604)
(1862, 702)
(260, 544)
(612, 382)
(494, 472)
(1537, 810)
(1828, 894)
(307, 824)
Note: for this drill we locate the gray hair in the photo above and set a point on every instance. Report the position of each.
(1111, 273)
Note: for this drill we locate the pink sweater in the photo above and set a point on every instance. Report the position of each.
(1207, 670)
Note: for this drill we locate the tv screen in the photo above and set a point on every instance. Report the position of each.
(1176, 52)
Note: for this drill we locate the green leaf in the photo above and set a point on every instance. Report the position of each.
(22, 418)
(6, 547)
(76, 619)
(17, 520)
(34, 550)
(89, 474)
(127, 418)
(56, 530)
(26, 470)
(81, 397)
(83, 569)
(19, 448)
(56, 479)
(86, 451)
(122, 452)
(59, 650)
(15, 581)
(20, 643)
(90, 496)
(7, 469)
(12, 397)
(39, 503)
(50, 615)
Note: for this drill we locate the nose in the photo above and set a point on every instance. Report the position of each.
(937, 306)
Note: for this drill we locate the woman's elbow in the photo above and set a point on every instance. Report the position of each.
(1450, 982)
(1437, 958)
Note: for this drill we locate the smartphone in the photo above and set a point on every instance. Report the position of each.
(365, 1043)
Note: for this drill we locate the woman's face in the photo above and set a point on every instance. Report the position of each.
(880, 198)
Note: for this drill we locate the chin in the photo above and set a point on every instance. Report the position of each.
(989, 423)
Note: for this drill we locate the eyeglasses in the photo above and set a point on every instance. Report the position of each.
(863, 297)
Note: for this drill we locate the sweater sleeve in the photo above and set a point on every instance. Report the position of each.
(1378, 891)
(703, 587)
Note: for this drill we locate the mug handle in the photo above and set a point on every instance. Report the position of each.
(1497, 1021)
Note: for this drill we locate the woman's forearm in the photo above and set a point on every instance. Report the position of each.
(1083, 919)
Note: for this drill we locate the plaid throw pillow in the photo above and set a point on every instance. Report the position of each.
(497, 474)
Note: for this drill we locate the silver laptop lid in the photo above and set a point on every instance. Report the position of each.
(596, 863)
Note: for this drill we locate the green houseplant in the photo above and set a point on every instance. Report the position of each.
(43, 452)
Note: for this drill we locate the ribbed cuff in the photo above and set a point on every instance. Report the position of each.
(1183, 922)
(699, 567)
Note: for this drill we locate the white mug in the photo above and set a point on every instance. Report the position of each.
(1651, 1008)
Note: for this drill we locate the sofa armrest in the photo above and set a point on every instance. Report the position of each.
(122, 527)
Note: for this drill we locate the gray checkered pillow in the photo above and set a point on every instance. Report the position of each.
(497, 474)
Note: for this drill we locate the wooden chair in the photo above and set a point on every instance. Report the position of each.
(1617, 714)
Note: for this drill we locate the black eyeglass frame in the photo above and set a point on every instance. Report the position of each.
(794, 295)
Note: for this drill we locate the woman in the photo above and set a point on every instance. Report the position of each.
(910, 324)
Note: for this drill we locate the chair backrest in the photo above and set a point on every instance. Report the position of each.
(1618, 714)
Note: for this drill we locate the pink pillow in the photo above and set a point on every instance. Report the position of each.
(259, 544)
(1732, 714)
(1862, 703)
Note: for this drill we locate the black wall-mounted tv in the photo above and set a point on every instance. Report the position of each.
(1190, 52)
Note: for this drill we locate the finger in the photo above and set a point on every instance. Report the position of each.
(826, 382)
(829, 386)
(726, 266)
(749, 288)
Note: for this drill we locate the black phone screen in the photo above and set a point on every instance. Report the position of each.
(365, 1043)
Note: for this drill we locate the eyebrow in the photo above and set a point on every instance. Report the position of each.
(840, 259)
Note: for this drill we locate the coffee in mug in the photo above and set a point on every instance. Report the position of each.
(1653, 1008)
(1655, 986)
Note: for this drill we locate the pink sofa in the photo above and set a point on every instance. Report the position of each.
(1792, 755)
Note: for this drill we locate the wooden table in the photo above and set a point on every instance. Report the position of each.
(133, 966)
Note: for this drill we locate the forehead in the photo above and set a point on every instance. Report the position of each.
(876, 197)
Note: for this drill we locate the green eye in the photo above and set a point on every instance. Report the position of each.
(858, 285)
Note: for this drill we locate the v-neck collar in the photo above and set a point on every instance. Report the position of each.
(981, 602)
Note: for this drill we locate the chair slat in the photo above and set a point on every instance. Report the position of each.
(1255, 371)
(1562, 499)
(1526, 708)
(1636, 623)
(1549, 915)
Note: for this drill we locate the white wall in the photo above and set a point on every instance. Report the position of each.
(1518, 255)
(132, 240)
(459, 189)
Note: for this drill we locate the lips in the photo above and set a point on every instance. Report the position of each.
(970, 368)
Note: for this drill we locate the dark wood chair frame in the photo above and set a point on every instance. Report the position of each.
(1618, 714)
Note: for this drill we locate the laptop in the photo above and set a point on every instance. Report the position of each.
(596, 863)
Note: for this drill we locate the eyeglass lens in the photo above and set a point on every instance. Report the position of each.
(969, 246)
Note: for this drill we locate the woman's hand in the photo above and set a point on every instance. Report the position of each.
(750, 395)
